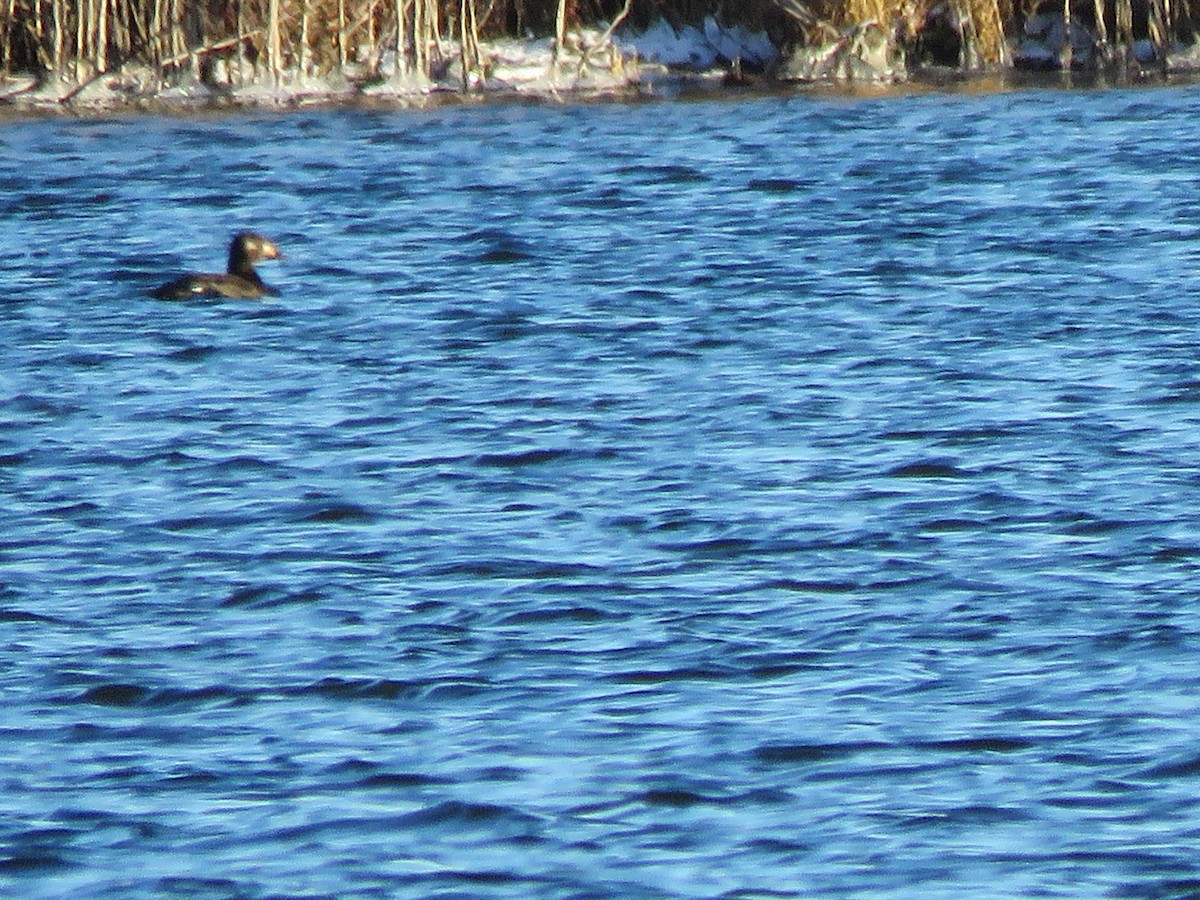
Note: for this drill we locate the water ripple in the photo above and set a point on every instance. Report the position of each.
(782, 497)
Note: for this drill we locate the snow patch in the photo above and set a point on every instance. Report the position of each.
(700, 47)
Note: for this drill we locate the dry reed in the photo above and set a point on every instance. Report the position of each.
(78, 39)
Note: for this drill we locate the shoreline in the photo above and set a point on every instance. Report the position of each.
(597, 66)
(588, 63)
(676, 87)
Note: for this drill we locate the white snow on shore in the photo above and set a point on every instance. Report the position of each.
(700, 47)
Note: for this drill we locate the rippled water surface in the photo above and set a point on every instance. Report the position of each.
(787, 497)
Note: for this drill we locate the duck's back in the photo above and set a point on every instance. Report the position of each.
(233, 286)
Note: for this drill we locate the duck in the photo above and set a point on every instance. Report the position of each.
(239, 281)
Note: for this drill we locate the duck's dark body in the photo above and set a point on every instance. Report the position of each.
(240, 281)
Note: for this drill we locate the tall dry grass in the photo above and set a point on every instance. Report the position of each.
(78, 39)
(82, 37)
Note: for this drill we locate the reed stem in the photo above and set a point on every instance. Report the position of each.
(81, 39)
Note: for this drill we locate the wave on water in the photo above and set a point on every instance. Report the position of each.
(666, 500)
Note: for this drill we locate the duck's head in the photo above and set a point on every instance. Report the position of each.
(249, 247)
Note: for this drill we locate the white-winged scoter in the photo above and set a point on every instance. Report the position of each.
(240, 281)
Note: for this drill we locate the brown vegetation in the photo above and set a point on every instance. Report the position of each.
(79, 39)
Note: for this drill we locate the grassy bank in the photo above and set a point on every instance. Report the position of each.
(79, 38)
(75, 40)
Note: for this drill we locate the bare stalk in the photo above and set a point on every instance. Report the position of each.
(402, 31)
(6, 59)
(341, 35)
(1124, 23)
(101, 39)
(60, 37)
(425, 34)
(82, 14)
(607, 36)
(560, 35)
(1067, 49)
(274, 42)
(240, 53)
(1101, 28)
(468, 41)
(305, 53)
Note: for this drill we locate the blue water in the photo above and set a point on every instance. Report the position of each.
(788, 497)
